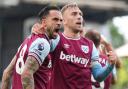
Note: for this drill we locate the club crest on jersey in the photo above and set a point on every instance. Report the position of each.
(85, 49)
(41, 47)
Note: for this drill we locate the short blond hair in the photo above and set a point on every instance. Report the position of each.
(67, 6)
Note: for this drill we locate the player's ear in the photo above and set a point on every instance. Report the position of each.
(44, 23)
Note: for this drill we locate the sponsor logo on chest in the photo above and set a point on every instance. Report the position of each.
(74, 59)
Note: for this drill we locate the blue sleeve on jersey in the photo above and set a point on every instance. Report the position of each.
(54, 43)
(39, 49)
(95, 53)
(99, 72)
(113, 71)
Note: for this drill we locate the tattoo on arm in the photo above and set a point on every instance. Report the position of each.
(31, 66)
(7, 74)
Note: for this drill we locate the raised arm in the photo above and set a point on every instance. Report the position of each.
(7, 74)
(99, 72)
(107, 48)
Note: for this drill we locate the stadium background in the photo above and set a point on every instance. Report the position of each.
(17, 17)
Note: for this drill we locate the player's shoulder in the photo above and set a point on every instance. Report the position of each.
(39, 38)
(39, 44)
(40, 41)
(87, 40)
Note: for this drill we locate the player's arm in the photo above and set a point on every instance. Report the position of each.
(38, 50)
(99, 72)
(31, 66)
(7, 74)
(37, 28)
(109, 49)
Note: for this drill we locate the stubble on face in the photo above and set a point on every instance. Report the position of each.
(54, 22)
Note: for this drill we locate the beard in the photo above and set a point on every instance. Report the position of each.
(50, 33)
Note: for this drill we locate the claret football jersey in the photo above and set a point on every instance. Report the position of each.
(38, 47)
(71, 63)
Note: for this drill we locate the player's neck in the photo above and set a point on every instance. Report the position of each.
(70, 34)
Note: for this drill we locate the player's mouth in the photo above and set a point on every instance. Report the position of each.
(57, 30)
(78, 23)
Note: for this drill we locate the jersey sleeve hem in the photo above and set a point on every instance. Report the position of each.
(36, 57)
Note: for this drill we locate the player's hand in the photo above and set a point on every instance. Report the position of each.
(112, 57)
(37, 28)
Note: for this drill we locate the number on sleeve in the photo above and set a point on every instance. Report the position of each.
(20, 61)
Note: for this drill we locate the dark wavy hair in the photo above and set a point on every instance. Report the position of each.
(94, 36)
(45, 11)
